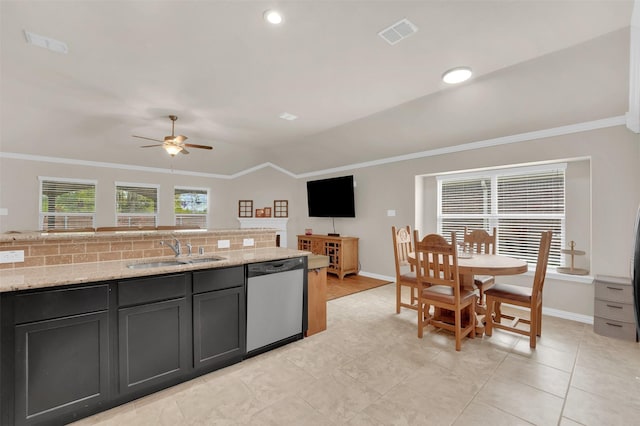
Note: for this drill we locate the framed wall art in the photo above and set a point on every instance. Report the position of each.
(245, 208)
(280, 208)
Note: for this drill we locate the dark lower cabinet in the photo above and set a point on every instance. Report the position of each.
(219, 318)
(71, 351)
(154, 332)
(61, 368)
(153, 342)
(55, 354)
(218, 327)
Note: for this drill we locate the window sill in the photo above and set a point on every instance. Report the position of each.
(553, 275)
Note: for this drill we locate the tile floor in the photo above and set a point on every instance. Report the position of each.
(369, 368)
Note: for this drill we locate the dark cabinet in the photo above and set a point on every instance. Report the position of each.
(72, 351)
(154, 334)
(218, 317)
(61, 369)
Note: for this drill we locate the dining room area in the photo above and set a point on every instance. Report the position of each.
(451, 284)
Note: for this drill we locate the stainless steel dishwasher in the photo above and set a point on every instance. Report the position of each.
(276, 303)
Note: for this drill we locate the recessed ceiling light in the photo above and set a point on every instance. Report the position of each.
(273, 17)
(287, 116)
(457, 75)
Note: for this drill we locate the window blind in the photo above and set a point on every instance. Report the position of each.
(136, 205)
(519, 202)
(67, 203)
(191, 207)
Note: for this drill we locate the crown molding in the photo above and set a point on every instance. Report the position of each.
(75, 162)
(505, 140)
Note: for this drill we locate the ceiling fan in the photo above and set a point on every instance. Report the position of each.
(173, 144)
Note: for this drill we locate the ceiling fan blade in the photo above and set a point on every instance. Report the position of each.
(184, 151)
(143, 137)
(180, 138)
(149, 146)
(190, 145)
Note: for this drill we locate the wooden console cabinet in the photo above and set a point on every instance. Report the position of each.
(342, 252)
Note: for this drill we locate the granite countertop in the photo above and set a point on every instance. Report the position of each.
(50, 276)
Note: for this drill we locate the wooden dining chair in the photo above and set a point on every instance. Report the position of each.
(439, 281)
(479, 241)
(524, 297)
(402, 246)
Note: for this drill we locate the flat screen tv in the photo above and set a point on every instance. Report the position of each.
(332, 197)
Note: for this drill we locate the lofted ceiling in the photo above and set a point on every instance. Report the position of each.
(228, 75)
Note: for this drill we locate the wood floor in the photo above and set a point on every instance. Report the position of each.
(350, 284)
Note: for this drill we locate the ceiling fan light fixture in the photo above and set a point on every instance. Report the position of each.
(273, 17)
(172, 149)
(457, 75)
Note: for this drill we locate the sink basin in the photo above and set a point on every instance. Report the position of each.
(155, 264)
(204, 259)
(160, 264)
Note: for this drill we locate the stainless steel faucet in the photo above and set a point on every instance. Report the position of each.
(177, 248)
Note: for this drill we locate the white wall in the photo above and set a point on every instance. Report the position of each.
(615, 185)
(20, 188)
(615, 195)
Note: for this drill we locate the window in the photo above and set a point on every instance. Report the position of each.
(67, 203)
(191, 206)
(136, 204)
(520, 203)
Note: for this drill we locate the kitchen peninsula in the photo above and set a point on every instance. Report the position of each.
(99, 319)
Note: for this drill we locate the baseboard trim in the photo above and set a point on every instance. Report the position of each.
(587, 319)
(572, 316)
(377, 276)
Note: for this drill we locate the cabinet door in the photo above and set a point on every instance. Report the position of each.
(154, 345)
(317, 301)
(218, 327)
(61, 367)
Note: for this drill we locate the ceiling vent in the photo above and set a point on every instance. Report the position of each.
(398, 31)
(46, 42)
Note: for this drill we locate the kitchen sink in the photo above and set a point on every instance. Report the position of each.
(155, 264)
(204, 259)
(160, 264)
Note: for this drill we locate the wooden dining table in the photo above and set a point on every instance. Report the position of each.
(484, 264)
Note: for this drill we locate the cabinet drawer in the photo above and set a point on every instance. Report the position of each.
(614, 310)
(615, 292)
(218, 279)
(145, 290)
(617, 329)
(59, 303)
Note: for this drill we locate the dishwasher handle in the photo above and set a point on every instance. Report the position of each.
(274, 267)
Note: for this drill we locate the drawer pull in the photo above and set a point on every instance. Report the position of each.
(614, 306)
(614, 325)
(614, 288)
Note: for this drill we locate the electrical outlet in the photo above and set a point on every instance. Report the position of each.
(247, 242)
(12, 256)
(224, 243)
(391, 213)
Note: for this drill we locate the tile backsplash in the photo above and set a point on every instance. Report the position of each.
(56, 249)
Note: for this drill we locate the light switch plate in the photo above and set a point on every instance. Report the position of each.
(224, 243)
(12, 256)
(247, 242)
(391, 213)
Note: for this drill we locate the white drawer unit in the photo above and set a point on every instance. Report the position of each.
(613, 308)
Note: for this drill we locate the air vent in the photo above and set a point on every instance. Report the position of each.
(398, 31)
(46, 42)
